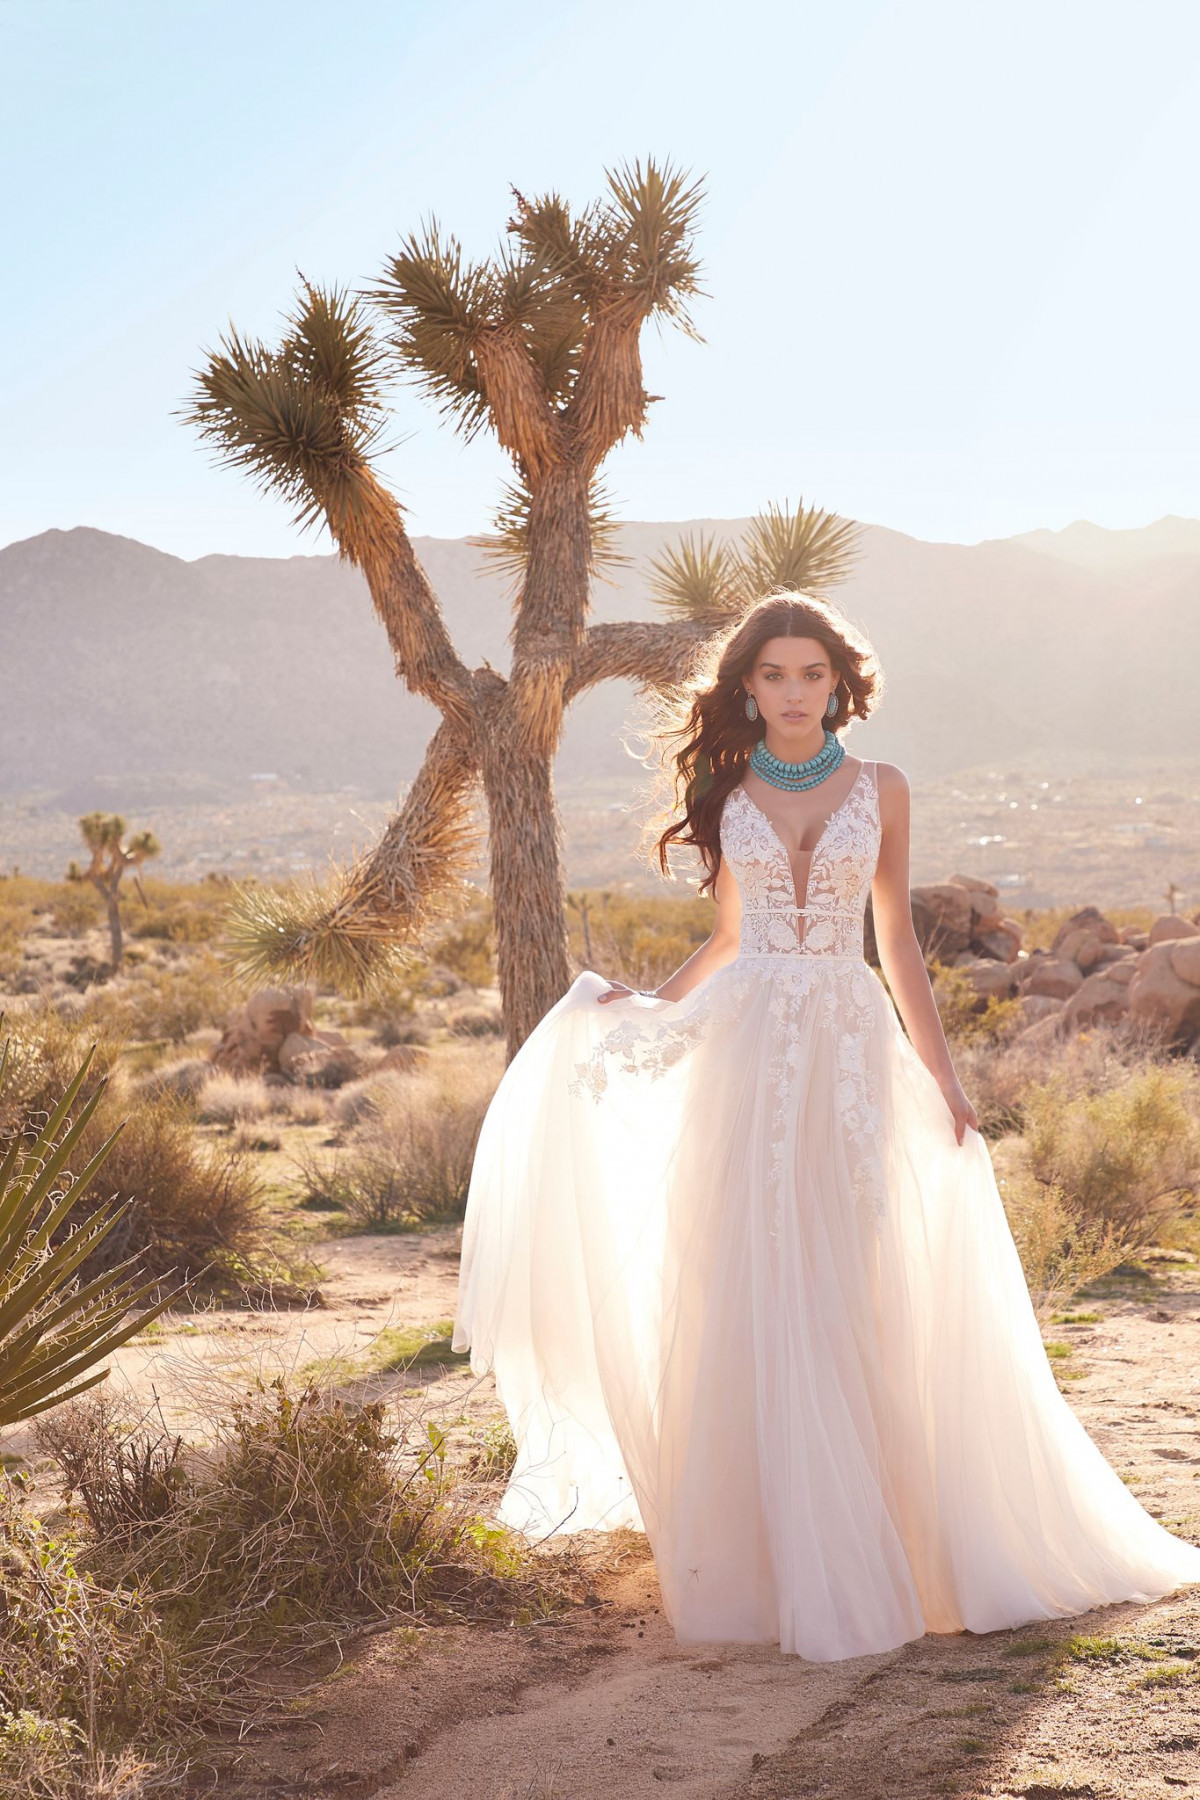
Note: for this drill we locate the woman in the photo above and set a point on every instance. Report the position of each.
(735, 1249)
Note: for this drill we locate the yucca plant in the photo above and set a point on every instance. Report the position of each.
(541, 345)
(53, 1331)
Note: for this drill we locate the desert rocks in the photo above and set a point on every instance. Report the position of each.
(1166, 987)
(273, 1035)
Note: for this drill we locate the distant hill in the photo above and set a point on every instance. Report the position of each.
(122, 663)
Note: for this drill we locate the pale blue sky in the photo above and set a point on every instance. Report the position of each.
(951, 248)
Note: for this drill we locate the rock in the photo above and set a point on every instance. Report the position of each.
(1089, 918)
(1035, 1007)
(1100, 998)
(990, 977)
(1003, 942)
(1049, 1030)
(942, 918)
(1171, 925)
(976, 884)
(1056, 976)
(317, 1064)
(1165, 989)
(1118, 953)
(1083, 947)
(256, 1032)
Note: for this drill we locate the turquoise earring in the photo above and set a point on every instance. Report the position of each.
(751, 707)
(831, 705)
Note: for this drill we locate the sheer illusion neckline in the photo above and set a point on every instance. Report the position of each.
(825, 829)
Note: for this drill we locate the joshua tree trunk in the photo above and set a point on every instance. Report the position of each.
(528, 893)
(115, 931)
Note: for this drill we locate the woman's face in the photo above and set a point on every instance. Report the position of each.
(792, 680)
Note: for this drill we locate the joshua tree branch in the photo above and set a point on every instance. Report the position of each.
(653, 655)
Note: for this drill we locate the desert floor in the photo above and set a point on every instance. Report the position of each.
(603, 1702)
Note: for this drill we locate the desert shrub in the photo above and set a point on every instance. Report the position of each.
(999, 1075)
(308, 1512)
(184, 1077)
(1061, 1249)
(196, 1206)
(88, 1675)
(477, 1021)
(76, 910)
(637, 939)
(370, 1097)
(495, 1451)
(409, 1162)
(1128, 1156)
(965, 1018)
(170, 1003)
(179, 912)
(467, 947)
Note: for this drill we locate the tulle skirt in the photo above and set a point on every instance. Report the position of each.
(741, 1287)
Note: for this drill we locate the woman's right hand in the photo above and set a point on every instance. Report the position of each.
(616, 991)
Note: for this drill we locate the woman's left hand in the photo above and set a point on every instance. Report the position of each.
(963, 1112)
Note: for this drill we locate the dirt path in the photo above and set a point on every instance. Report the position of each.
(605, 1703)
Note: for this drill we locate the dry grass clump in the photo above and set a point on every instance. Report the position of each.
(408, 1159)
(1098, 1176)
(233, 1099)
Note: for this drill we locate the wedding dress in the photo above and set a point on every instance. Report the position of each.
(741, 1287)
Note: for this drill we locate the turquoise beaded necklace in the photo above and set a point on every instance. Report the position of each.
(796, 775)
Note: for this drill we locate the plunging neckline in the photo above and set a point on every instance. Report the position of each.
(811, 854)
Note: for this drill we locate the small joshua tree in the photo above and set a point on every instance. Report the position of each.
(539, 344)
(102, 833)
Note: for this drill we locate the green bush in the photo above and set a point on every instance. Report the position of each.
(1128, 1156)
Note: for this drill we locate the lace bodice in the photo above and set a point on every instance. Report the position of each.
(841, 869)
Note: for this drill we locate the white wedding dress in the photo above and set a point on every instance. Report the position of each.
(742, 1288)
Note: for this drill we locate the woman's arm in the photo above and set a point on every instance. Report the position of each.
(718, 948)
(900, 954)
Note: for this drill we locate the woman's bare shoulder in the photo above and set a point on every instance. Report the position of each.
(891, 778)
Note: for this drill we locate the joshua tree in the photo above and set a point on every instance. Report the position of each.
(541, 345)
(102, 833)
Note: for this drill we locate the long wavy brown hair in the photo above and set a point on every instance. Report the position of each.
(705, 717)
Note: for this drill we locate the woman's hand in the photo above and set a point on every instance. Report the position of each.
(616, 991)
(963, 1112)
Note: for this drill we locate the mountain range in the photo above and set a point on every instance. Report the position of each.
(123, 664)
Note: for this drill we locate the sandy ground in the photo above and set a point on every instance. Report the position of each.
(603, 1702)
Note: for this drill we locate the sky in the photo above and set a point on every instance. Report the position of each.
(950, 251)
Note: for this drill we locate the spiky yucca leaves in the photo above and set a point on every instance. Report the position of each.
(713, 583)
(306, 418)
(529, 342)
(53, 1332)
(507, 545)
(357, 930)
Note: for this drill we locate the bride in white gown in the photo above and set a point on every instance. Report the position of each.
(736, 1253)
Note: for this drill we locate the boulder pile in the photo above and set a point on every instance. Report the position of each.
(1093, 971)
(273, 1035)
